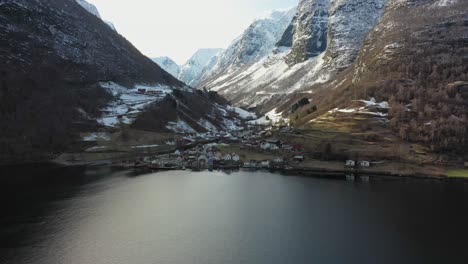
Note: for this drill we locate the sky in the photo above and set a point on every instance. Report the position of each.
(177, 28)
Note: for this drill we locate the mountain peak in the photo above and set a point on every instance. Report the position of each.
(193, 69)
(89, 7)
(203, 56)
(168, 65)
(93, 10)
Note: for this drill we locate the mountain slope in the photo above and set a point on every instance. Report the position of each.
(423, 62)
(64, 71)
(255, 43)
(415, 58)
(323, 38)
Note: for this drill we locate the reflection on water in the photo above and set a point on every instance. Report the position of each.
(97, 215)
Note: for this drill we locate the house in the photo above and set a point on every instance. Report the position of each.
(227, 157)
(279, 160)
(266, 145)
(277, 163)
(287, 147)
(177, 153)
(274, 147)
(297, 147)
(192, 152)
(350, 163)
(364, 164)
(170, 142)
(265, 164)
(273, 141)
(249, 164)
(299, 158)
(235, 157)
(155, 92)
(142, 91)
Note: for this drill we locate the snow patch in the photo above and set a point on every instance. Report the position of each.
(242, 113)
(444, 3)
(180, 127)
(97, 136)
(271, 117)
(129, 102)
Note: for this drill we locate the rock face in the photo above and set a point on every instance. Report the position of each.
(307, 33)
(323, 38)
(350, 21)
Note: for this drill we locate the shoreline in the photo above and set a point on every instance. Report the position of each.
(315, 172)
(300, 172)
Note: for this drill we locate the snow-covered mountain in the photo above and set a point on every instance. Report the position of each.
(93, 10)
(168, 65)
(254, 44)
(323, 38)
(192, 70)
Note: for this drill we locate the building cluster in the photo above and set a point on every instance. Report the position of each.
(201, 156)
(357, 164)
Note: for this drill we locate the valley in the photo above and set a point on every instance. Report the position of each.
(255, 132)
(341, 74)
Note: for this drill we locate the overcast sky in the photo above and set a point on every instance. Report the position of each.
(177, 28)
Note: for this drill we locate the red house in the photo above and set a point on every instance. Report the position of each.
(297, 148)
(141, 91)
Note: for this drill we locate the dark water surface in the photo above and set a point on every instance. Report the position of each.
(97, 216)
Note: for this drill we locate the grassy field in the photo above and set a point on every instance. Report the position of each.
(457, 173)
(124, 144)
(358, 137)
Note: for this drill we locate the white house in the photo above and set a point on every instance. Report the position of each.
(350, 163)
(279, 160)
(268, 146)
(265, 164)
(235, 157)
(364, 164)
(227, 157)
(287, 147)
(178, 153)
(299, 158)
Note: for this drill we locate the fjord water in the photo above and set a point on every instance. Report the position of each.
(99, 216)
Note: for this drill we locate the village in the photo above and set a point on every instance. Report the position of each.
(253, 148)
